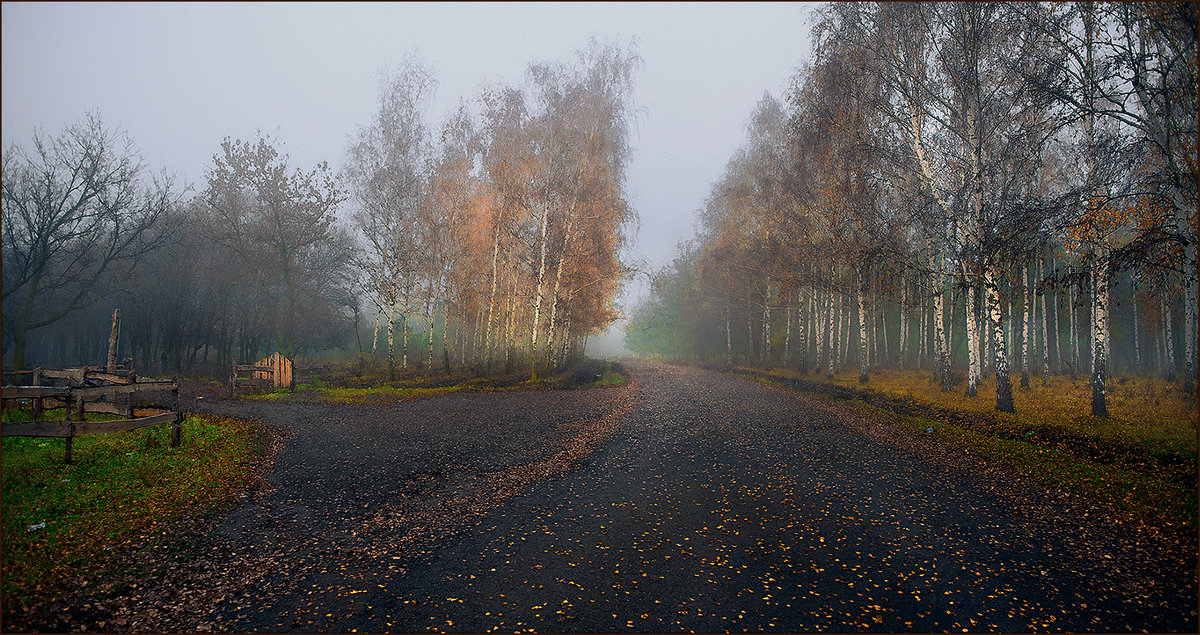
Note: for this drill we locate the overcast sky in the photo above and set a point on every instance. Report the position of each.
(181, 77)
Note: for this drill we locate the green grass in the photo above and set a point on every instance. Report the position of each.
(612, 376)
(415, 387)
(121, 487)
(13, 415)
(315, 392)
(1126, 476)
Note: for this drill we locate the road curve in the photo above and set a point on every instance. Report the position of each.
(691, 500)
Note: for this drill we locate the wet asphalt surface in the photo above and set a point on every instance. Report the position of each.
(699, 502)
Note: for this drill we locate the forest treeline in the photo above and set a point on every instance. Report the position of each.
(493, 238)
(991, 187)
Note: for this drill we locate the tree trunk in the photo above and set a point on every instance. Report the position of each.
(844, 331)
(766, 348)
(537, 297)
(1026, 312)
(404, 338)
(1190, 335)
(972, 341)
(375, 334)
(1073, 365)
(1168, 338)
(392, 345)
(1046, 299)
(19, 335)
(1050, 300)
(430, 310)
(988, 337)
(113, 334)
(557, 282)
(787, 335)
(749, 336)
(487, 337)
(1137, 344)
(803, 323)
(863, 366)
(1100, 333)
(833, 327)
(923, 322)
(941, 349)
(902, 336)
(1004, 398)
(814, 329)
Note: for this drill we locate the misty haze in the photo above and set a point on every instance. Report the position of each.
(599, 317)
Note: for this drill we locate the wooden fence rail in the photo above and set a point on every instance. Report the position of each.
(90, 389)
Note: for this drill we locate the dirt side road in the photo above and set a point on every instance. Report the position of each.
(689, 501)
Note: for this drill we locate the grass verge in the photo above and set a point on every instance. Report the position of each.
(121, 487)
(1141, 460)
(585, 374)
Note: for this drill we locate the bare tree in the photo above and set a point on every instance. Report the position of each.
(282, 228)
(79, 214)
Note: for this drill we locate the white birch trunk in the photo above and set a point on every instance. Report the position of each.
(537, 298)
(789, 315)
(902, 344)
(1100, 349)
(1074, 341)
(391, 343)
(1050, 299)
(1026, 312)
(863, 366)
(491, 311)
(802, 333)
(1004, 398)
(429, 311)
(375, 334)
(566, 244)
(766, 348)
(843, 328)
(1046, 296)
(972, 342)
(1168, 339)
(941, 349)
(831, 327)
(814, 322)
(1137, 343)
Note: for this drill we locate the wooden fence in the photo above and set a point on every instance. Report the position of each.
(274, 371)
(89, 389)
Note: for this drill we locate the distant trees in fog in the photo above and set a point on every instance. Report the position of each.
(982, 184)
(79, 216)
(493, 238)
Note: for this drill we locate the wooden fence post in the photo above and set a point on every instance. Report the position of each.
(111, 366)
(36, 406)
(178, 415)
(75, 414)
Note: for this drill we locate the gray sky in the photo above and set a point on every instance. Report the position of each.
(181, 77)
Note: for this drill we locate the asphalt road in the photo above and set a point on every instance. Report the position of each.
(689, 501)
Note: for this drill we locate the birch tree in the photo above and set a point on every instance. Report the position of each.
(386, 168)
